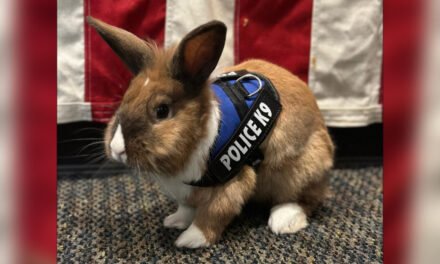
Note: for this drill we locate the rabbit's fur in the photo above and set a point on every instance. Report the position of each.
(298, 151)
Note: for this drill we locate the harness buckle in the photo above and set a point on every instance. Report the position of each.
(250, 75)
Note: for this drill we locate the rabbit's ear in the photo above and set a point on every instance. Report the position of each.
(133, 51)
(199, 52)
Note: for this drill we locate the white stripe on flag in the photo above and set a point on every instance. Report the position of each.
(8, 155)
(346, 60)
(71, 61)
(182, 17)
(425, 218)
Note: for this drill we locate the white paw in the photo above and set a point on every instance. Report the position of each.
(181, 219)
(287, 218)
(192, 238)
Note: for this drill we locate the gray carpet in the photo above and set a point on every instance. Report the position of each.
(114, 217)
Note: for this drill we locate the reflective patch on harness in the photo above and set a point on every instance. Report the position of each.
(246, 138)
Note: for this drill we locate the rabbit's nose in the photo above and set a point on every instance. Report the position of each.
(117, 146)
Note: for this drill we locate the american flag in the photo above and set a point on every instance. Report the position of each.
(334, 46)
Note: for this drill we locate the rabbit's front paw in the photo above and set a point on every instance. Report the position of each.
(287, 218)
(193, 237)
(181, 219)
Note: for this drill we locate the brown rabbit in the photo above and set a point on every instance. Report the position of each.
(168, 120)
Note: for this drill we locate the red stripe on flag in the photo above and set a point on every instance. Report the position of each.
(276, 31)
(37, 118)
(107, 78)
(402, 35)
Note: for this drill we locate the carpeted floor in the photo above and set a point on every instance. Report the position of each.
(114, 217)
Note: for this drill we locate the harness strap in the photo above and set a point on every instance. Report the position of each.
(236, 97)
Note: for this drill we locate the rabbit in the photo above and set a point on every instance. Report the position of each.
(168, 120)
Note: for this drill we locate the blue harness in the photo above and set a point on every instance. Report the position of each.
(249, 106)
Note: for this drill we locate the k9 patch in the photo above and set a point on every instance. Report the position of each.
(249, 106)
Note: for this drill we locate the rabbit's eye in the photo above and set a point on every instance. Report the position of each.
(162, 111)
